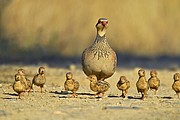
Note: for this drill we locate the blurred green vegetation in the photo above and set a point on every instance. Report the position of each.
(66, 27)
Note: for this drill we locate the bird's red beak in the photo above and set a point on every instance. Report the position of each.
(104, 23)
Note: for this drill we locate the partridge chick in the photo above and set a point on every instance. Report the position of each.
(71, 84)
(40, 78)
(154, 81)
(142, 84)
(99, 59)
(98, 86)
(18, 85)
(123, 85)
(176, 84)
(26, 81)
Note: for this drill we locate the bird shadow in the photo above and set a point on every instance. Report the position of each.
(8, 98)
(113, 96)
(67, 93)
(129, 97)
(59, 93)
(83, 93)
(134, 97)
(9, 94)
(165, 97)
(159, 97)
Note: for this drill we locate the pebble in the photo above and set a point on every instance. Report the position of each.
(72, 67)
(57, 112)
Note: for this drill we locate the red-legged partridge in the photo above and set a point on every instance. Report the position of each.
(123, 85)
(24, 79)
(99, 59)
(18, 85)
(154, 81)
(71, 84)
(142, 84)
(176, 84)
(98, 86)
(40, 78)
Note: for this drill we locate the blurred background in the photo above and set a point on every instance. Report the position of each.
(144, 33)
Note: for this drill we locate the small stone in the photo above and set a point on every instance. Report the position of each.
(72, 67)
(57, 112)
(20, 110)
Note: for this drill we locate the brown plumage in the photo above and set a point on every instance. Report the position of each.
(71, 84)
(154, 81)
(176, 84)
(26, 81)
(123, 85)
(142, 84)
(98, 86)
(99, 59)
(40, 78)
(18, 85)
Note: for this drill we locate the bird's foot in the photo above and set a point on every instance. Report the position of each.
(74, 95)
(123, 96)
(97, 95)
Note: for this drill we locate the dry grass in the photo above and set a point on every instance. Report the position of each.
(67, 27)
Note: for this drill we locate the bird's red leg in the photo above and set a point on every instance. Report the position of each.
(41, 89)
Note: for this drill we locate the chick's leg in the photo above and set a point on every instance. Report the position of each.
(97, 94)
(142, 96)
(178, 95)
(74, 94)
(123, 94)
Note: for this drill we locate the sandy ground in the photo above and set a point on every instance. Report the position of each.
(57, 105)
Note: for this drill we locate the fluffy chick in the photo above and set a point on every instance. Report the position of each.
(154, 81)
(18, 85)
(39, 79)
(123, 85)
(176, 84)
(26, 81)
(71, 84)
(142, 84)
(98, 86)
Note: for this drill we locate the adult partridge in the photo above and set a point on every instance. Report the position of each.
(99, 59)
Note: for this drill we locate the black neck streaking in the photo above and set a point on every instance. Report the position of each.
(100, 47)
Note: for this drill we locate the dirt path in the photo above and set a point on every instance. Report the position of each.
(57, 105)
